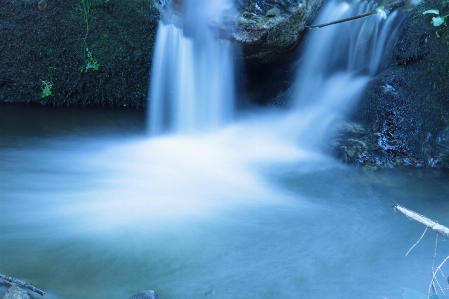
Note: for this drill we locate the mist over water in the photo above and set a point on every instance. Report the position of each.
(241, 209)
(240, 213)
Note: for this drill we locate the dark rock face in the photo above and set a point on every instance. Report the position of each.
(53, 52)
(406, 108)
(269, 30)
(49, 41)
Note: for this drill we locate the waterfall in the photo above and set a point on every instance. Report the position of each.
(336, 64)
(91, 208)
(192, 85)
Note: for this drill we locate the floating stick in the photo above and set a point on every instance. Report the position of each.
(14, 281)
(435, 273)
(438, 228)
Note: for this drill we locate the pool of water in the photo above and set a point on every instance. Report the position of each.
(90, 207)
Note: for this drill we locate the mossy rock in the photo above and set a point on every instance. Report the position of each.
(45, 42)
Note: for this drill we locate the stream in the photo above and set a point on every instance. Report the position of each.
(207, 201)
(92, 208)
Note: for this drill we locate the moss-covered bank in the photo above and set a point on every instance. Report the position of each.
(76, 52)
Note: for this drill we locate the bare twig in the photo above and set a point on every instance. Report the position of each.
(417, 242)
(435, 272)
(387, 8)
(438, 228)
(14, 281)
(438, 283)
(343, 20)
(432, 283)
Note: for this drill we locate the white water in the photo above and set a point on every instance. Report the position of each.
(244, 211)
(336, 64)
(241, 213)
(192, 87)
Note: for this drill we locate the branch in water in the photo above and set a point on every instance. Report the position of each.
(388, 8)
(438, 228)
(14, 281)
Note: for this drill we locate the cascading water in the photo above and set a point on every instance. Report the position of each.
(192, 85)
(336, 64)
(96, 209)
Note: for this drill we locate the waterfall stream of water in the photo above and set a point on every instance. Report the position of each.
(335, 65)
(192, 87)
(90, 207)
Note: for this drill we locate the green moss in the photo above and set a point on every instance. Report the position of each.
(118, 46)
(46, 89)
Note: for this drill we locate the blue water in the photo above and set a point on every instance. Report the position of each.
(91, 208)
(247, 207)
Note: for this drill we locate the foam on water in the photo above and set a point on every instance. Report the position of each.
(168, 179)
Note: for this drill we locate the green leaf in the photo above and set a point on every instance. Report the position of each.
(437, 21)
(433, 11)
(46, 89)
(46, 92)
(381, 11)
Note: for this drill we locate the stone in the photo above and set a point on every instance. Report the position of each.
(405, 109)
(150, 294)
(347, 142)
(16, 292)
(270, 30)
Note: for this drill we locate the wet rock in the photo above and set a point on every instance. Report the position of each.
(347, 142)
(150, 294)
(121, 37)
(412, 47)
(406, 108)
(270, 30)
(16, 292)
(267, 30)
(349, 150)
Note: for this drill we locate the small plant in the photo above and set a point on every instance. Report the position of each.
(46, 89)
(438, 20)
(90, 62)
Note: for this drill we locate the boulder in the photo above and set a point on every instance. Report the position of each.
(406, 107)
(347, 141)
(270, 30)
(266, 30)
